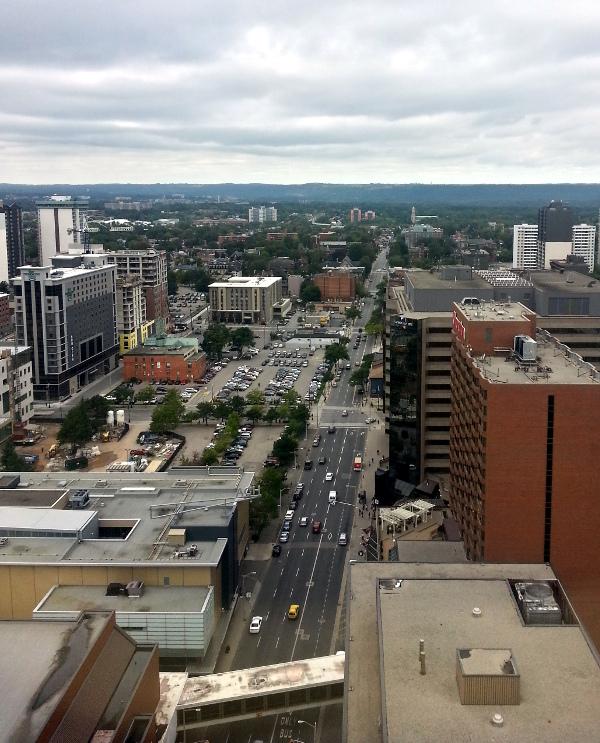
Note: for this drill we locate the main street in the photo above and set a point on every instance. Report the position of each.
(310, 569)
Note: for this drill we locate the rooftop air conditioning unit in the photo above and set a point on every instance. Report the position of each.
(181, 483)
(537, 603)
(525, 348)
(470, 300)
(101, 483)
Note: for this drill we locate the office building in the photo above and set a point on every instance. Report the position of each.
(172, 542)
(584, 243)
(12, 247)
(440, 650)
(255, 299)
(165, 359)
(555, 232)
(261, 214)
(525, 246)
(336, 286)
(523, 432)
(132, 326)
(355, 215)
(60, 224)
(16, 386)
(151, 266)
(76, 678)
(66, 313)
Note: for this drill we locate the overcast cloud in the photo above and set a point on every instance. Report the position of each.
(290, 91)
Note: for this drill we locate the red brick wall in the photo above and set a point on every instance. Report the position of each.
(336, 286)
(157, 302)
(483, 335)
(141, 367)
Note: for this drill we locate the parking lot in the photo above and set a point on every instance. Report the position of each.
(185, 306)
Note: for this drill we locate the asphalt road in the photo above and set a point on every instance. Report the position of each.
(310, 568)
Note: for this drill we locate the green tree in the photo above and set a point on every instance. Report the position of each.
(237, 404)
(221, 409)
(335, 352)
(242, 338)
(255, 412)
(146, 394)
(11, 461)
(309, 292)
(97, 407)
(77, 427)
(255, 397)
(284, 448)
(209, 456)
(205, 410)
(271, 415)
(352, 312)
(216, 337)
(167, 416)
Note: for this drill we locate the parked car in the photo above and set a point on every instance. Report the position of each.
(276, 551)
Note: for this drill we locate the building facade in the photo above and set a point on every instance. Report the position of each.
(525, 246)
(245, 299)
(151, 266)
(355, 215)
(261, 214)
(165, 360)
(12, 247)
(555, 232)
(66, 313)
(16, 389)
(5, 313)
(338, 286)
(584, 243)
(132, 325)
(60, 222)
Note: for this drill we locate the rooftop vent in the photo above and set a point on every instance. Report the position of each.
(537, 603)
(101, 483)
(525, 348)
(487, 676)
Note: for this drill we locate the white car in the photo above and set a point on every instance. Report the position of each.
(329, 477)
(255, 625)
(344, 413)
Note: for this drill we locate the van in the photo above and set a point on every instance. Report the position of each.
(332, 497)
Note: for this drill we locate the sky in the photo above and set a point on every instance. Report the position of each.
(141, 91)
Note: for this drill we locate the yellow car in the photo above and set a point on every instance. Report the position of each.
(293, 611)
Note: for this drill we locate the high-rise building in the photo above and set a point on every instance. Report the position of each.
(60, 224)
(555, 232)
(525, 246)
(66, 313)
(262, 214)
(523, 432)
(16, 388)
(355, 215)
(584, 243)
(132, 326)
(369, 215)
(12, 249)
(151, 266)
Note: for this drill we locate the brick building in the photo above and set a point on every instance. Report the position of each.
(524, 427)
(5, 315)
(165, 359)
(336, 286)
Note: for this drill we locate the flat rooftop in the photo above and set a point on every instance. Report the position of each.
(560, 676)
(142, 503)
(428, 280)
(556, 364)
(38, 662)
(245, 282)
(567, 281)
(493, 311)
(187, 599)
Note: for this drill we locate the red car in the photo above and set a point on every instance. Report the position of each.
(316, 527)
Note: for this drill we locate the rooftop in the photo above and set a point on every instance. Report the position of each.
(180, 599)
(142, 506)
(560, 677)
(493, 311)
(435, 280)
(246, 282)
(566, 281)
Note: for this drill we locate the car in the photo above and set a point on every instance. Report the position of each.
(284, 537)
(300, 487)
(323, 460)
(255, 625)
(343, 539)
(276, 551)
(357, 363)
(293, 505)
(286, 526)
(370, 420)
(303, 521)
(289, 515)
(344, 413)
(334, 383)
(348, 365)
(316, 527)
(293, 611)
(331, 429)
(111, 398)
(329, 477)
(308, 464)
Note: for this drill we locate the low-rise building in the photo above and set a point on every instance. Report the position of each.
(164, 359)
(245, 299)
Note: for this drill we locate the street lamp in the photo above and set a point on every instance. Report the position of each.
(312, 725)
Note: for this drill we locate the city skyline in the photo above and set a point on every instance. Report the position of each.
(461, 94)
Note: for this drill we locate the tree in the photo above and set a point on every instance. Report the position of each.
(205, 410)
(11, 461)
(215, 339)
(167, 416)
(122, 394)
(77, 426)
(335, 352)
(309, 292)
(222, 409)
(284, 448)
(255, 397)
(97, 407)
(271, 416)
(209, 456)
(352, 312)
(242, 338)
(237, 404)
(146, 394)
(255, 412)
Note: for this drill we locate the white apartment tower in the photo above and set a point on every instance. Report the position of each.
(262, 214)
(60, 221)
(584, 243)
(525, 246)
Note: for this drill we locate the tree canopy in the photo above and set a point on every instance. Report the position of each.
(241, 337)
(216, 337)
(309, 292)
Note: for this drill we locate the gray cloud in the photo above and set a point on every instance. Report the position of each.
(288, 91)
